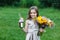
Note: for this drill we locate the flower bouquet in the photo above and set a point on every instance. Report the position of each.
(44, 22)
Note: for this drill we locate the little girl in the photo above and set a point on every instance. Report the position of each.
(31, 26)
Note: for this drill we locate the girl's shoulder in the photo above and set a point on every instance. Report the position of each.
(28, 21)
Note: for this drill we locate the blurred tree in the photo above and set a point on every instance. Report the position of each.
(45, 3)
(50, 3)
(23, 3)
(8, 2)
(28, 3)
(56, 4)
(36, 3)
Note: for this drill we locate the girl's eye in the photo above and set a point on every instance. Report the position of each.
(34, 12)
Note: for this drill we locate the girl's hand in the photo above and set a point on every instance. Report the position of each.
(41, 30)
(26, 26)
(21, 20)
(25, 30)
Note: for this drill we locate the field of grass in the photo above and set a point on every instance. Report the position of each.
(9, 29)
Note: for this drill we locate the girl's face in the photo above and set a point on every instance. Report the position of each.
(33, 13)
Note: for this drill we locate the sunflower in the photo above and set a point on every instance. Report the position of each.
(41, 20)
(44, 21)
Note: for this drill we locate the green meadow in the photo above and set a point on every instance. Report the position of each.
(9, 29)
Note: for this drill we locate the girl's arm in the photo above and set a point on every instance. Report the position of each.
(26, 26)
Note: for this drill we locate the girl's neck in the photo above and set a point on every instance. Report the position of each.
(33, 19)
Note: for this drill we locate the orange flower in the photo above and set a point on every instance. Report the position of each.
(50, 23)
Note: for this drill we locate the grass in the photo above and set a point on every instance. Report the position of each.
(9, 29)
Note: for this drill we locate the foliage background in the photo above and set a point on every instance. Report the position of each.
(28, 3)
(9, 17)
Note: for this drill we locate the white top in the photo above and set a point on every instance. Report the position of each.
(32, 26)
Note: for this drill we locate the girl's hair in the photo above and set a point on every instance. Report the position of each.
(35, 8)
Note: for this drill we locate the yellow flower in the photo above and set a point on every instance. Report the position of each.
(44, 20)
(50, 23)
(41, 20)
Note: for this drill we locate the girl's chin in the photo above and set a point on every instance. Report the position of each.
(33, 17)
